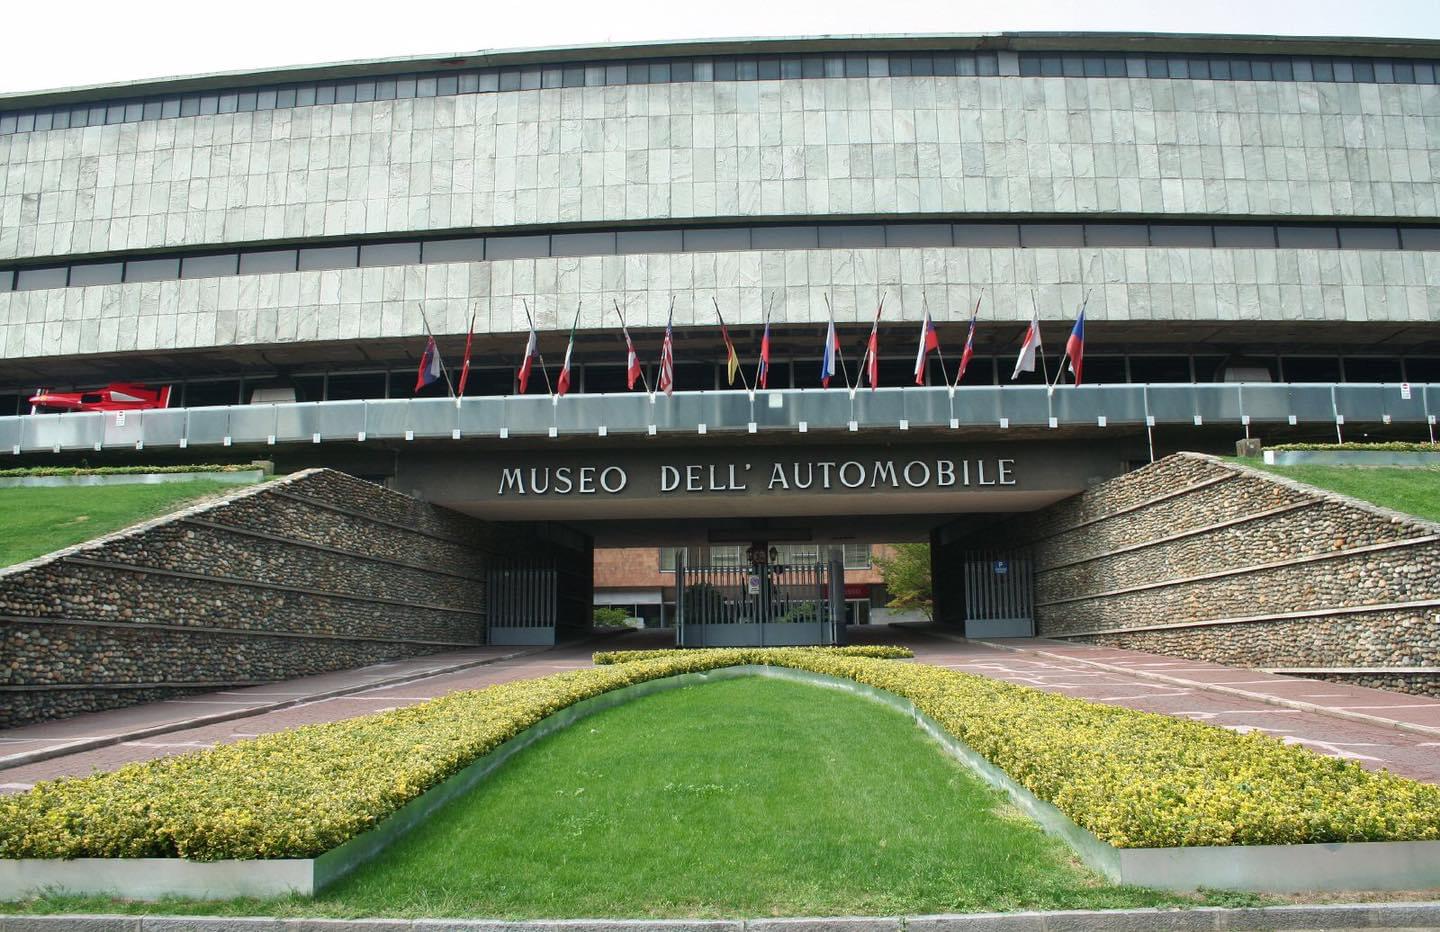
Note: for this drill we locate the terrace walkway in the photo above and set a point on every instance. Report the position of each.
(1376, 728)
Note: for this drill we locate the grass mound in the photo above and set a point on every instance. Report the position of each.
(38, 520)
(1415, 491)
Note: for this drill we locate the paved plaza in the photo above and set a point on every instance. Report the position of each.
(1377, 729)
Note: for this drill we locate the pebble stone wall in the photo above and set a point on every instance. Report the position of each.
(1202, 558)
(317, 571)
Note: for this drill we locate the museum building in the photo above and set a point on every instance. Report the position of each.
(1249, 225)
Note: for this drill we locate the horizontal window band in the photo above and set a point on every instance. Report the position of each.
(787, 65)
(777, 234)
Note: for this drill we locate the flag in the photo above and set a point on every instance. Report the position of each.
(1075, 346)
(762, 375)
(872, 354)
(632, 361)
(732, 361)
(667, 357)
(827, 360)
(465, 366)
(563, 385)
(1031, 345)
(429, 365)
(929, 340)
(969, 350)
(531, 351)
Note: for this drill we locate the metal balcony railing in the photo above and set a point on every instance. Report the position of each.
(802, 410)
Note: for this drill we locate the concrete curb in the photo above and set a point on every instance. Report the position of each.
(90, 744)
(1201, 919)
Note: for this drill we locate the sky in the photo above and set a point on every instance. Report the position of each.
(69, 43)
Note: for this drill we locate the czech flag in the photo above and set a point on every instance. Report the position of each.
(763, 373)
(429, 365)
(929, 340)
(969, 346)
(827, 360)
(531, 351)
(1075, 346)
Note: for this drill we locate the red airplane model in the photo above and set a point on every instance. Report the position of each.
(117, 396)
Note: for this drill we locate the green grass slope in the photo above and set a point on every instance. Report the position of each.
(1413, 491)
(35, 521)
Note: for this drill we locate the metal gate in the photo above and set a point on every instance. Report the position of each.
(765, 606)
(522, 602)
(999, 594)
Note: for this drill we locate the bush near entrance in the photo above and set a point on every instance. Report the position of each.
(1134, 779)
(906, 572)
(608, 617)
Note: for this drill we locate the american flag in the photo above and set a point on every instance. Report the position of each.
(667, 357)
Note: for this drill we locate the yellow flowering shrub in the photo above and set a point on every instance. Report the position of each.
(1133, 778)
(878, 651)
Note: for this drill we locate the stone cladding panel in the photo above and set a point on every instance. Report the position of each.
(1269, 561)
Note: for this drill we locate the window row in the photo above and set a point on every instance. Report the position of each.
(725, 68)
(874, 235)
(490, 80)
(1230, 68)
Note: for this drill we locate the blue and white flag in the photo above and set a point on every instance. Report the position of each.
(827, 361)
(429, 365)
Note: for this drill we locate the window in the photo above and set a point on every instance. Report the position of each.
(209, 266)
(1306, 237)
(852, 237)
(1052, 234)
(1117, 234)
(717, 240)
(516, 247)
(1420, 237)
(374, 254)
(328, 257)
(857, 556)
(643, 241)
(152, 270)
(100, 273)
(1369, 238)
(1244, 236)
(986, 234)
(582, 244)
(784, 238)
(918, 234)
(455, 250)
(1187, 235)
(270, 260)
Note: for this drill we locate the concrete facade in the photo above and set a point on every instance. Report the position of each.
(899, 147)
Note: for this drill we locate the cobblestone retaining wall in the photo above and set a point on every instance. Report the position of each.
(1199, 557)
(313, 572)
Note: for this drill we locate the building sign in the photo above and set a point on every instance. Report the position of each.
(788, 475)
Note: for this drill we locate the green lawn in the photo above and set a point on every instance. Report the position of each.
(35, 521)
(1414, 491)
(746, 797)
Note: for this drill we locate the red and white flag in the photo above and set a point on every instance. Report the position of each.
(632, 361)
(762, 372)
(531, 352)
(872, 351)
(563, 385)
(969, 345)
(1029, 347)
(929, 340)
(667, 357)
(465, 366)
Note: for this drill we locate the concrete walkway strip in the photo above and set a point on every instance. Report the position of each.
(1337, 918)
(248, 711)
(1268, 698)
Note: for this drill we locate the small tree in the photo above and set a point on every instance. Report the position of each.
(906, 572)
(609, 617)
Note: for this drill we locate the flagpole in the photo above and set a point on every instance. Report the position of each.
(925, 302)
(465, 364)
(760, 362)
(538, 355)
(839, 353)
(729, 346)
(1035, 316)
(426, 321)
(626, 330)
(973, 314)
(874, 326)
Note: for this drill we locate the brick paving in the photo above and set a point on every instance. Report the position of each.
(1242, 700)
